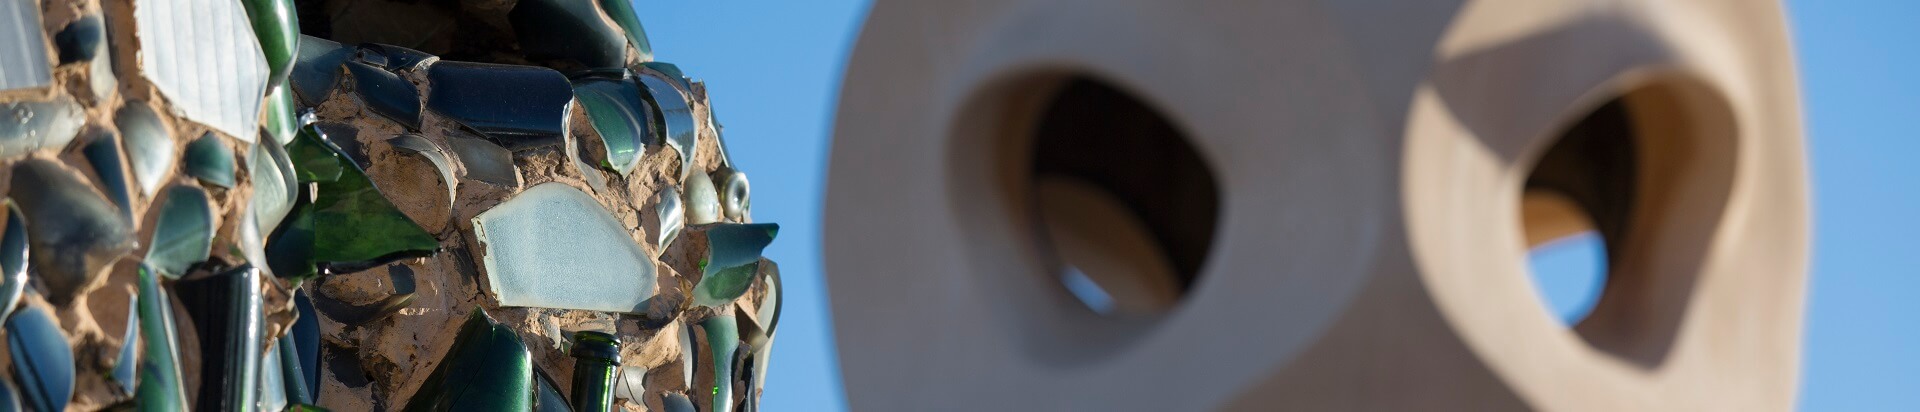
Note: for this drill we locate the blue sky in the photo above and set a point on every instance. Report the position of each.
(773, 72)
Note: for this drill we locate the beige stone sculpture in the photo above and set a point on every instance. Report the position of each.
(1316, 205)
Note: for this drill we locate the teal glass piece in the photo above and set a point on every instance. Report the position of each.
(274, 185)
(673, 73)
(722, 339)
(149, 145)
(733, 258)
(316, 69)
(352, 225)
(289, 247)
(623, 14)
(735, 199)
(41, 359)
(676, 402)
(413, 143)
(615, 109)
(596, 357)
(516, 106)
(485, 161)
(243, 344)
(566, 33)
(292, 377)
(487, 368)
(183, 236)
(386, 94)
(9, 396)
(210, 161)
(13, 259)
(703, 203)
(278, 29)
(126, 366)
(547, 398)
(673, 119)
(283, 118)
(553, 246)
(672, 218)
(103, 154)
(73, 233)
(159, 386)
(30, 126)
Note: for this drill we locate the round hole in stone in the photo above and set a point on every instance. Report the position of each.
(1128, 206)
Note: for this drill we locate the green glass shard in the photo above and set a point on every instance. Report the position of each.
(487, 368)
(733, 257)
(184, 234)
(617, 114)
(623, 13)
(159, 387)
(722, 339)
(282, 119)
(210, 161)
(352, 226)
(548, 398)
(278, 29)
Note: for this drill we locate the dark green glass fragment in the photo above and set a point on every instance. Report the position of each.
(567, 33)
(74, 233)
(278, 29)
(672, 119)
(160, 387)
(617, 113)
(387, 94)
(733, 258)
(350, 224)
(13, 259)
(103, 153)
(291, 374)
(316, 70)
(183, 235)
(548, 398)
(487, 368)
(623, 13)
(673, 73)
(305, 408)
(282, 117)
(306, 339)
(676, 402)
(41, 359)
(596, 355)
(722, 339)
(516, 106)
(243, 338)
(225, 310)
(393, 58)
(210, 161)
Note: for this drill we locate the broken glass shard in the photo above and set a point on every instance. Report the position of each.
(74, 234)
(306, 338)
(485, 161)
(278, 28)
(316, 69)
(292, 377)
(567, 33)
(159, 385)
(84, 40)
(125, 367)
(676, 402)
(282, 118)
(668, 212)
(616, 112)
(517, 106)
(13, 259)
(183, 235)
(22, 42)
(689, 355)
(630, 384)
(26, 126)
(734, 194)
(393, 58)
(353, 226)
(623, 13)
(554, 229)
(672, 71)
(225, 311)
(386, 94)
(210, 161)
(41, 359)
(413, 143)
(703, 204)
(244, 330)
(733, 258)
(181, 42)
(548, 399)
(487, 368)
(273, 184)
(103, 154)
(149, 144)
(722, 339)
(271, 389)
(673, 118)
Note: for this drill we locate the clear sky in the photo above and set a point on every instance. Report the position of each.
(773, 72)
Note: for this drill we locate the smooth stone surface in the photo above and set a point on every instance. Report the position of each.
(485, 161)
(74, 234)
(623, 14)
(516, 106)
(671, 216)
(159, 385)
(722, 340)
(274, 186)
(21, 41)
(413, 143)
(103, 154)
(28, 126)
(391, 57)
(703, 203)
(277, 27)
(487, 368)
(735, 196)
(386, 94)
(183, 42)
(42, 362)
(553, 246)
(183, 235)
(733, 258)
(149, 145)
(316, 69)
(210, 161)
(282, 116)
(567, 33)
(617, 113)
(126, 366)
(673, 119)
(13, 260)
